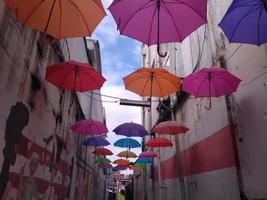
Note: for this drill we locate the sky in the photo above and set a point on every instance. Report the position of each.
(120, 56)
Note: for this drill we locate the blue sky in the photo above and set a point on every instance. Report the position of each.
(120, 56)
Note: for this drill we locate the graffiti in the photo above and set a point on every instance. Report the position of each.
(18, 119)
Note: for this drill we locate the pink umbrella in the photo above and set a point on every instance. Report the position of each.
(210, 82)
(158, 21)
(148, 154)
(170, 127)
(105, 165)
(89, 127)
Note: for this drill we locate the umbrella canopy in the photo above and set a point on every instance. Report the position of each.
(102, 152)
(102, 160)
(159, 21)
(74, 76)
(210, 82)
(170, 127)
(119, 167)
(159, 142)
(148, 154)
(149, 82)
(249, 17)
(139, 164)
(60, 19)
(105, 165)
(121, 162)
(96, 142)
(131, 130)
(127, 154)
(127, 142)
(89, 127)
(144, 160)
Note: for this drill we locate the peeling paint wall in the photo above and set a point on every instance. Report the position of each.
(207, 171)
(39, 153)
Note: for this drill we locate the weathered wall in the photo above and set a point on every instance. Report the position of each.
(210, 169)
(39, 153)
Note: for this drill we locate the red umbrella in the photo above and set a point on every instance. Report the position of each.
(74, 76)
(170, 127)
(159, 142)
(102, 152)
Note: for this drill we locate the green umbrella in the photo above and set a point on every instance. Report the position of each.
(102, 160)
(139, 164)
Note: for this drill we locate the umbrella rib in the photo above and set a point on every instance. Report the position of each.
(168, 11)
(149, 36)
(201, 85)
(130, 18)
(259, 25)
(60, 20)
(246, 14)
(79, 11)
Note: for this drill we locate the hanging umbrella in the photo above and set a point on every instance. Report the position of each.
(60, 19)
(159, 142)
(148, 154)
(96, 142)
(139, 164)
(210, 82)
(127, 142)
(149, 82)
(89, 127)
(121, 162)
(144, 160)
(105, 165)
(127, 154)
(102, 152)
(135, 167)
(119, 167)
(170, 127)
(246, 22)
(158, 21)
(131, 130)
(74, 76)
(102, 160)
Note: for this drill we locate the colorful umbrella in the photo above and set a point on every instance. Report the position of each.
(127, 142)
(60, 19)
(89, 127)
(158, 21)
(246, 22)
(74, 76)
(149, 82)
(139, 164)
(159, 142)
(148, 154)
(131, 130)
(144, 160)
(121, 162)
(102, 160)
(170, 127)
(105, 165)
(119, 167)
(96, 142)
(102, 152)
(210, 82)
(127, 154)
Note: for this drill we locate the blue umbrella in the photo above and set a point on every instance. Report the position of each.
(127, 142)
(96, 142)
(130, 130)
(246, 22)
(144, 160)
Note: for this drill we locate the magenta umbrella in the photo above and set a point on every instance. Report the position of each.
(158, 21)
(89, 127)
(210, 82)
(148, 154)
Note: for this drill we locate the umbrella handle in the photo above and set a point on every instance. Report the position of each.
(208, 107)
(158, 50)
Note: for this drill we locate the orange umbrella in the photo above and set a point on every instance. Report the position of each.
(149, 82)
(60, 19)
(170, 127)
(121, 162)
(127, 154)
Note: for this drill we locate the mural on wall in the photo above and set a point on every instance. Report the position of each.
(17, 120)
(81, 189)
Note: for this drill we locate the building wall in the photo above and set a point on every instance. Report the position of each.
(223, 155)
(36, 142)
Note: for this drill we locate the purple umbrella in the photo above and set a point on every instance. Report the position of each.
(119, 167)
(246, 22)
(89, 127)
(210, 82)
(158, 21)
(131, 130)
(96, 142)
